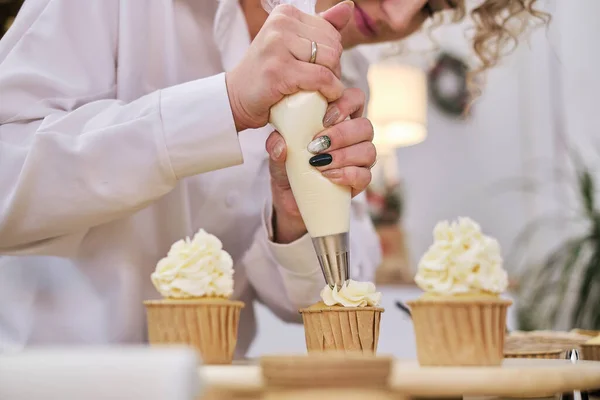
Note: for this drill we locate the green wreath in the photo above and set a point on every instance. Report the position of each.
(455, 102)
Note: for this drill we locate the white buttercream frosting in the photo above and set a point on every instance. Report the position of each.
(461, 260)
(197, 267)
(352, 294)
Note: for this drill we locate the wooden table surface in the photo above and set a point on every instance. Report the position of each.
(517, 378)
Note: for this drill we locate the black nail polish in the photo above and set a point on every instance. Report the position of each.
(321, 160)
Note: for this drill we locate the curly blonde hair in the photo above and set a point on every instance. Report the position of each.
(498, 24)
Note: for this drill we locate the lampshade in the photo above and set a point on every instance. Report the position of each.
(398, 105)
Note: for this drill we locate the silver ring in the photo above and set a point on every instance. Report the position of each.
(313, 52)
(372, 165)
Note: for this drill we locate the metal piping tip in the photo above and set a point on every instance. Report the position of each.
(333, 254)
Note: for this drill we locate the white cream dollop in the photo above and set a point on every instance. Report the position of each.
(352, 294)
(462, 260)
(195, 268)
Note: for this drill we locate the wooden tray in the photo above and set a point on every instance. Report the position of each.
(515, 378)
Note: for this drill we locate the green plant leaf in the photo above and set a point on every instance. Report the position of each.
(587, 188)
(591, 275)
(573, 254)
(523, 239)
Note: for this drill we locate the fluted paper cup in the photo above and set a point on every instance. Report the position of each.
(590, 352)
(349, 329)
(459, 331)
(524, 347)
(209, 325)
(540, 354)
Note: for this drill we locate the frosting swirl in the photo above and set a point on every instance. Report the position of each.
(352, 294)
(461, 260)
(195, 268)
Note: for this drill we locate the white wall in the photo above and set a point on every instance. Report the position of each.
(513, 132)
(457, 169)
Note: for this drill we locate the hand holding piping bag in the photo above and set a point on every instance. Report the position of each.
(343, 152)
(278, 62)
(313, 192)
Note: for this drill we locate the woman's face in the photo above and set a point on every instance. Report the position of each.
(385, 20)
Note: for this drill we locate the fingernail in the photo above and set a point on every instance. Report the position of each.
(348, 3)
(320, 144)
(321, 160)
(332, 115)
(277, 150)
(333, 173)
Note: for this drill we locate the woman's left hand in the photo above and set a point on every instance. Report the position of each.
(344, 152)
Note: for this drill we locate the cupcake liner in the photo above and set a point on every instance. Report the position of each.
(553, 340)
(459, 331)
(209, 325)
(590, 352)
(540, 354)
(350, 329)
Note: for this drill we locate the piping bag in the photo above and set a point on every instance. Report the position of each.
(324, 205)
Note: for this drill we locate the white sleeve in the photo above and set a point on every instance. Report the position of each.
(71, 156)
(287, 277)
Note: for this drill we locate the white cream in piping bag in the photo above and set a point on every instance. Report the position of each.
(353, 294)
(324, 206)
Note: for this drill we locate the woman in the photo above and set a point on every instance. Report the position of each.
(127, 125)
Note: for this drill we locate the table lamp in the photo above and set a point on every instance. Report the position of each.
(398, 112)
(398, 106)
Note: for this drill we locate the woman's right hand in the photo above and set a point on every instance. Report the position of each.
(277, 63)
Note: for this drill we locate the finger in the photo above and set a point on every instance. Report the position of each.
(326, 56)
(356, 178)
(277, 150)
(339, 15)
(313, 77)
(351, 104)
(311, 27)
(344, 134)
(359, 155)
(276, 147)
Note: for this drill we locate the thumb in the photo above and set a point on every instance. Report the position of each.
(276, 147)
(339, 15)
(277, 153)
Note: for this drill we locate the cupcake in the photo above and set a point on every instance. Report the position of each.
(196, 281)
(543, 352)
(347, 319)
(590, 350)
(538, 341)
(460, 320)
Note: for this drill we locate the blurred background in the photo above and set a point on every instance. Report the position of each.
(523, 162)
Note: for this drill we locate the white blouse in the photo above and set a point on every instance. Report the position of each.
(116, 140)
